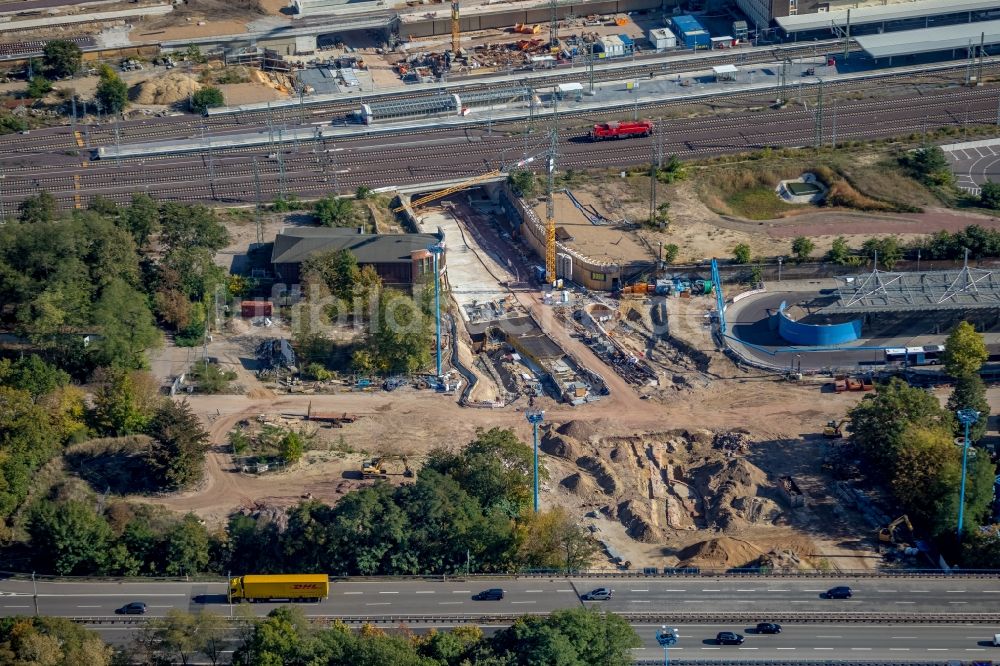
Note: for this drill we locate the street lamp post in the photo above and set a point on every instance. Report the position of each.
(435, 250)
(34, 589)
(535, 417)
(966, 417)
(666, 637)
(780, 259)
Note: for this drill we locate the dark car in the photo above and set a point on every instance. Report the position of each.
(600, 594)
(492, 594)
(134, 608)
(840, 592)
(729, 638)
(768, 628)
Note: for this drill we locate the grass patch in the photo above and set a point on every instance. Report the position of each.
(115, 463)
(759, 203)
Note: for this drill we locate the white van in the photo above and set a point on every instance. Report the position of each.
(996, 640)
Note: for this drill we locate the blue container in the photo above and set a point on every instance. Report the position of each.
(628, 42)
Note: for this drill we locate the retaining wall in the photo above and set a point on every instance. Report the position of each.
(815, 335)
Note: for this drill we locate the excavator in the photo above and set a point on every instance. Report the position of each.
(375, 467)
(888, 534)
(834, 429)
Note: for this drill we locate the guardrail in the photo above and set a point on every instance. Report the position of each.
(782, 662)
(666, 573)
(633, 618)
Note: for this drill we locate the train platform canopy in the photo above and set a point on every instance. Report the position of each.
(900, 11)
(884, 291)
(930, 40)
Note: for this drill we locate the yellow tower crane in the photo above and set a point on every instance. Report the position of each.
(475, 180)
(456, 29)
(550, 206)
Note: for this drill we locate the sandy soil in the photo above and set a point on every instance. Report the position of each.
(191, 29)
(248, 93)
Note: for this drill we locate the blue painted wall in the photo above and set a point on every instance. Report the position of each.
(816, 335)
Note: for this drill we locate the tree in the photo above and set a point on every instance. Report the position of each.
(401, 338)
(887, 251)
(742, 254)
(177, 455)
(112, 92)
(124, 402)
(522, 182)
(38, 641)
(127, 327)
(32, 374)
(661, 216)
(363, 192)
(27, 441)
(39, 208)
(802, 247)
(68, 538)
(989, 195)
(670, 253)
(186, 226)
(337, 269)
(38, 87)
(186, 547)
(926, 476)
(969, 392)
(567, 638)
(964, 351)
(210, 633)
(839, 252)
(929, 164)
(672, 171)
(291, 447)
(176, 633)
(210, 377)
(553, 540)
(141, 218)
(880, 420)
(62, 58)
(334, 211)
(207, 98)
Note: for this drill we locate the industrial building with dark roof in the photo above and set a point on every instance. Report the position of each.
(401, 260)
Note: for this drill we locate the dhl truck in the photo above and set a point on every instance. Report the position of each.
(290, 587)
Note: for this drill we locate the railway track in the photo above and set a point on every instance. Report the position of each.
(312, 174)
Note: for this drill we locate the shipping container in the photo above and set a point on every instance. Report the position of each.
(250, 309)
(662, 39)
(291, 587)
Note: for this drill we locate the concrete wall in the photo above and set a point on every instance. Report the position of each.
(504, 19)
(532, 230)
(816, 335)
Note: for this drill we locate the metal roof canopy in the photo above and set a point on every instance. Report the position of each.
(725, 69)
(929, 40)
(895, 12)
(884, 291)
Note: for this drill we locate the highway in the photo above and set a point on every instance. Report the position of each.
(421, 604)
(761, 597)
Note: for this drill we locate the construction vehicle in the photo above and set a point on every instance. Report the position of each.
(290, 587)
(374, 468)
(621, 130)
(525, 29)
(834, 429)
(888, 534)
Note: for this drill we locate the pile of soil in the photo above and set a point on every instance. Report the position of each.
(733, 491)
(721, 553)
(167, 89)
(587, 431)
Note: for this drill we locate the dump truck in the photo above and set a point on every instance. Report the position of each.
(621, 130)
(285, 587)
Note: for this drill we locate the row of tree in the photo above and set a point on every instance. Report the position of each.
(574, 637)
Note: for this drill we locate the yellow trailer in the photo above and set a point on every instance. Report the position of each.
(291, 587)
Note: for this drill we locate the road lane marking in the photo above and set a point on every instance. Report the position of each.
(743, 601)
(564, 590)
(638, 590)
(16, 606)
(899, 649)
(777, 590)
(461, 591)
(711, 648)
(885, 591)
(958, 602)
(113, 594)
(675, 590)
(161, 606)
(88, 606)
(822, 648)
(693, 601)
(711, 590)
(639, 601)
(799, 602)
(746, 590)
(954, 591)
(861, 648)
(424, 592)
(785, 648)
(937, 649)
(920, 591)
(541, 590)
(906, 602)
(829, 636)
(904, 638)
(975, 649)
(449, 603)
(814, 590)
(748, 648)
(522, 602)
(361, 593)
(379, 603)
(383, 592)
(993, 591)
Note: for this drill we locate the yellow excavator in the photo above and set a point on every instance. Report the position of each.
(888, 534)
(375, 467)
(834, 429)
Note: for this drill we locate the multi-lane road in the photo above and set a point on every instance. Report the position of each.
(699, 606)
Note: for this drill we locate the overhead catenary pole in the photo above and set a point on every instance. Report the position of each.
(211, 161)
(258, 207)
(818, 130)
(847, 37)
(535, 418)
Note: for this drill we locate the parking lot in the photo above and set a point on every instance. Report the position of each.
(974, 162)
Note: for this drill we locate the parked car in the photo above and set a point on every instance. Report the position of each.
(492, 594)
(768, 628)
(133, 608)
(729, 638)
(600, 594)
(839, 592)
